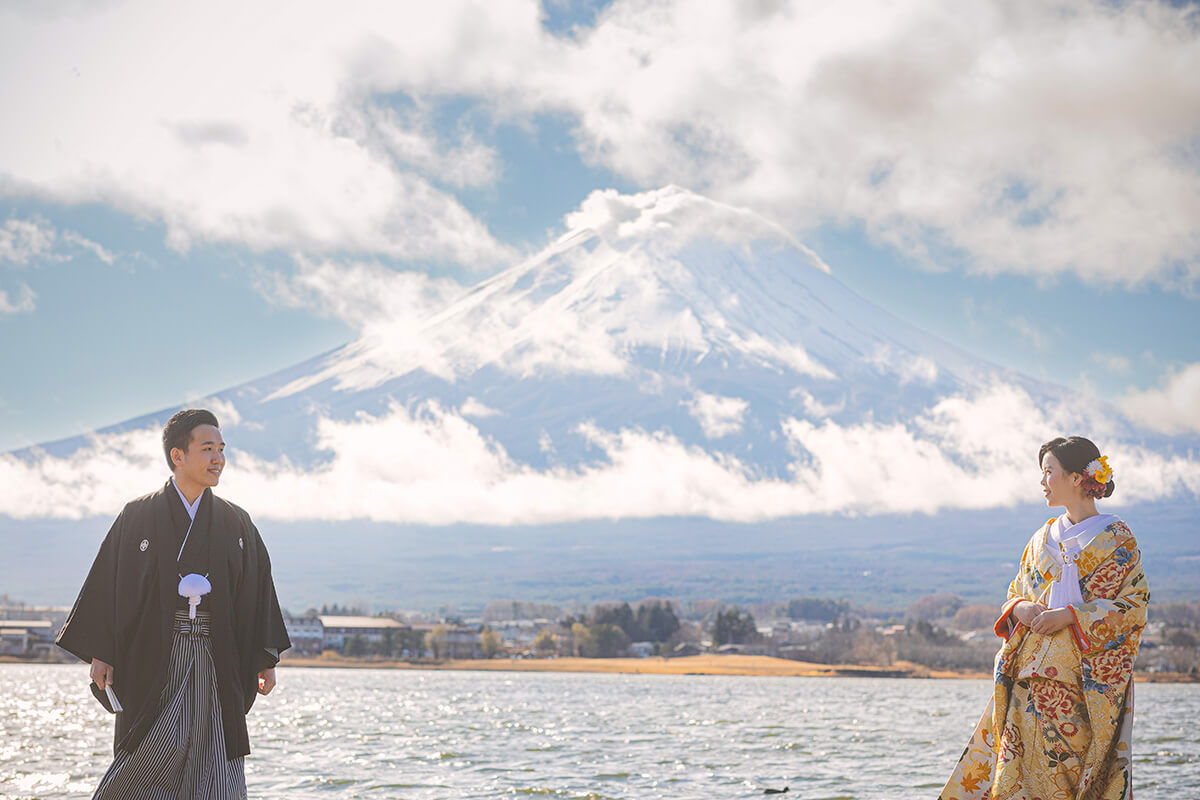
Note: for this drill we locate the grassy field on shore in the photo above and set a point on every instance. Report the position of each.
(688, 665)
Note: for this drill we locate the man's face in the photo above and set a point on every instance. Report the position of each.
(202, 462)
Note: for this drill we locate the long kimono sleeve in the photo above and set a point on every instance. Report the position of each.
(1020, 589)
(270, 635)
(91, 629)
(1108, 626)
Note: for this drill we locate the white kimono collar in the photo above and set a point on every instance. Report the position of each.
(1075, 537)
(191, 508)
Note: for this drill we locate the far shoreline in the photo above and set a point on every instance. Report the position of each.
(708, 664)
(736, 665)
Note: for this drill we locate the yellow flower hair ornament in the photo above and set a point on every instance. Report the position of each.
(1096, 476)
(1099, 470)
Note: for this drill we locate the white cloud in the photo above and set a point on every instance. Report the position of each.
(83, 243)
(1173, 407)
(1022, 136)
(24, 301)
(365, 294)
(473, 407)
(32, 241)
(225, 410)
(25, 240)
(411, 139)
(965, 452)
(814, 407)
(1030, 137)
(260, 129)
(908, 367)
(718, 416)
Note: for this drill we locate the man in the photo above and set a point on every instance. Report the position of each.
(181, 624)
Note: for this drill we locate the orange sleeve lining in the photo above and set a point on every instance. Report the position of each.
(1077, 632)
(1005, 625)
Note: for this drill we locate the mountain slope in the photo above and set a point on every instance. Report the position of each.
(666, 356)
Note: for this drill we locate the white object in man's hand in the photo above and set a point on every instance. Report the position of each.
(266, 681)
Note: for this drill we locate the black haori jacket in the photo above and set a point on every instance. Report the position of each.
(125, 611)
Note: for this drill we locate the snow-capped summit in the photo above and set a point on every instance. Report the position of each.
(650, 281)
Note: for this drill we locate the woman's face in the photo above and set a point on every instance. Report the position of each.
(1058, 485)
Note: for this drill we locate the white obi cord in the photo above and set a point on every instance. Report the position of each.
(1065, 543)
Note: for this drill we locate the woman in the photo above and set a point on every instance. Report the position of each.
(1061, 719)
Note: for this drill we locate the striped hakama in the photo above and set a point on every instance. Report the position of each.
(183, 756)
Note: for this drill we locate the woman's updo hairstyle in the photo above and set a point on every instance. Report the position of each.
(1075, 453)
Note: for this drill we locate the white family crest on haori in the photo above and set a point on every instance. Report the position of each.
(145, 543)
(193, 587)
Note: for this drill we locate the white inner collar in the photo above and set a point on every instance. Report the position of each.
(191, 508)
(1078, 536)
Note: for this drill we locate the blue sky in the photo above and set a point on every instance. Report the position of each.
(1042, 212)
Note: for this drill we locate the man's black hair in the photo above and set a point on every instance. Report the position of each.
(178, 430)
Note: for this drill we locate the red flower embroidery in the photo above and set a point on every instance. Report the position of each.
(1105, 581)
(1053, 700)
(1111, 666)
(1011, 747)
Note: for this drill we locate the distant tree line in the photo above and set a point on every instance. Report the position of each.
(609, 629)
(734, 627)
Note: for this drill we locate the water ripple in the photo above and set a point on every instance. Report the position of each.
(418, 736)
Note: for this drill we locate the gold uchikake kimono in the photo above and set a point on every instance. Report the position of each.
(1060, 723)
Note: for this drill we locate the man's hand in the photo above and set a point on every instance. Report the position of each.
(101, 673)
(1052, 621)
(266, 681)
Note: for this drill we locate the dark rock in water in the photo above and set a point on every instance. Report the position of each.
(775, 791)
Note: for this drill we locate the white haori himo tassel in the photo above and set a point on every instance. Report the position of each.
(193, 587)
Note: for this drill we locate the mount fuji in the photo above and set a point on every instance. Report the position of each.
(675, 397)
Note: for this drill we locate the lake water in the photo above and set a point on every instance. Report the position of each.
(328, 733)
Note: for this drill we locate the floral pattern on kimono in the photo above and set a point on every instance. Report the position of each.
(1060, 722)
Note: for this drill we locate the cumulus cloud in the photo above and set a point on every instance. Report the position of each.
(259, 129)
(428, 464)
(815, 408)
(22, 240)
(718, 416)
(32, 243)
(23, 301)
(1028, 137)
(26, 242)
(1024, 136)
(473, 407)
(1173, 407)
(366, 295)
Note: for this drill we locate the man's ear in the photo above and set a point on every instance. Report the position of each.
(177, 457)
